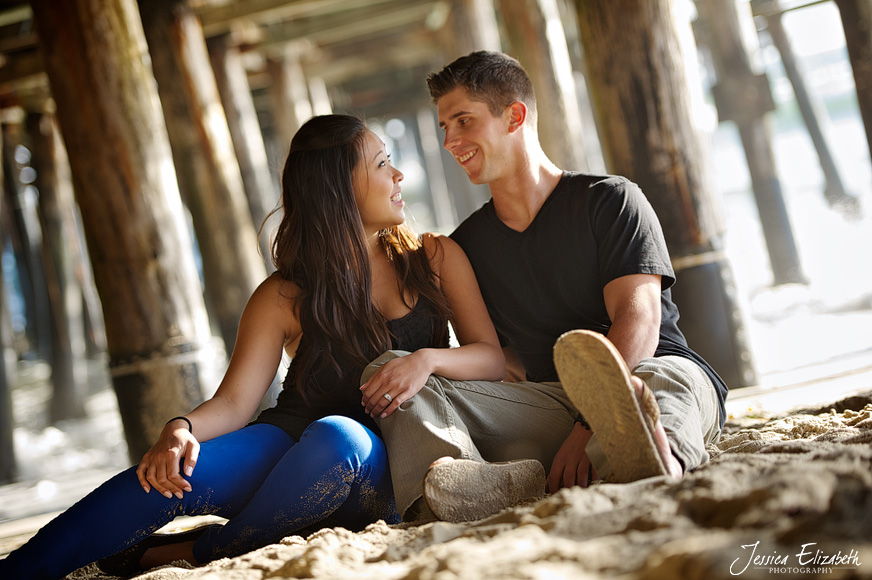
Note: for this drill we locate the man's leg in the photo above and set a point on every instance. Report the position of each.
(688, 406)
(629, 416)
(475, 420)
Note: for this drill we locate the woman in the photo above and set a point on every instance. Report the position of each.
(352, 281)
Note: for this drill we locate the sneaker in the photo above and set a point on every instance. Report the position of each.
(460, 490)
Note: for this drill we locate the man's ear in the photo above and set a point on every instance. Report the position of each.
(517, 112)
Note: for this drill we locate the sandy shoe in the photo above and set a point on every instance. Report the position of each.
(460, 490)
(419, 513)
(597, 380)
(125, 563)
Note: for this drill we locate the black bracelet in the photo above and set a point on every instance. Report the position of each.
(579, 418)
(185, 419)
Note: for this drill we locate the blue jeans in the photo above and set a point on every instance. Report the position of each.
(264, 483)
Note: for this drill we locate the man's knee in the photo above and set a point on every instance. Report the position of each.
(375, 365)
(429, 406)
(674, 378)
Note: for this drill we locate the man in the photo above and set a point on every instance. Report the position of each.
(561, 257)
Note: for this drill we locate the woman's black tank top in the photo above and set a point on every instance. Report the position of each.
(339, 393)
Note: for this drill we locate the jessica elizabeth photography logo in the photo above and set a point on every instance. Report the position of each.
(808, 559)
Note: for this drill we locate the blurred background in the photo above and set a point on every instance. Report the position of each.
(145, 142)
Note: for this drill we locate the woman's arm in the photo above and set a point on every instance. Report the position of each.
(267, 324)
(479, 356)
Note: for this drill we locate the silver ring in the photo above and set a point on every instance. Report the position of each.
(388, 397)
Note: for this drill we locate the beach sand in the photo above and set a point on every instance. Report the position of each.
(787, 496)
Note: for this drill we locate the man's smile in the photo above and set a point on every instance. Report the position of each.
(466, 156)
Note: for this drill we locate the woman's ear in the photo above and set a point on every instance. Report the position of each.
(517, 112)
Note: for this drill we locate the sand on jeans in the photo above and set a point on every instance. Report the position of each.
(782, 497)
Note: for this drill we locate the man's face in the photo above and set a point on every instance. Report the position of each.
(476, 139)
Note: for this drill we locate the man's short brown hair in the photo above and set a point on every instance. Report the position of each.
(493, 78)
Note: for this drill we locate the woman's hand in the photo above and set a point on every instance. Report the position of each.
(159, 467)
(400, 378)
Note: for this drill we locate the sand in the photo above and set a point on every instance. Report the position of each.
(783, 497)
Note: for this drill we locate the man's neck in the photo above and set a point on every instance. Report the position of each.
(518, 197)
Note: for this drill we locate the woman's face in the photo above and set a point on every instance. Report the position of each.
(377, 187)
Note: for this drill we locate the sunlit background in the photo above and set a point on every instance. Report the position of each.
(817, 335)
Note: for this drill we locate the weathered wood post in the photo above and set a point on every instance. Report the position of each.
(140, 248)
(205, 162)
(89, 309)
(537, 40)
(319, 96)
(288, 91)
(83, 303)
(23, 228)
(744, 97)
(85, 311)
(431, 148)
(809, 107)
(471, 25)
(856, 18)
(641, 97)
(8, 467)
(232, 81)
(67, 399)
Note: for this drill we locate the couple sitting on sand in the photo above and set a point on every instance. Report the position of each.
(567, 273)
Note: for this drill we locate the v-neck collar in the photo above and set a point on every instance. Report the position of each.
(506, 230)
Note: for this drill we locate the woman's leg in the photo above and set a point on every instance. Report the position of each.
(338, 470)
(119, 513)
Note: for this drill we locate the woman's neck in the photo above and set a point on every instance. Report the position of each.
(373, 245)
(386, 288)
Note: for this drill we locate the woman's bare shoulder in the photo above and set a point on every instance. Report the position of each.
(274, 301)
(276, 287)
(440, 249)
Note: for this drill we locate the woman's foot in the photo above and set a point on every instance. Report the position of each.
(155, 550)
(167, 554)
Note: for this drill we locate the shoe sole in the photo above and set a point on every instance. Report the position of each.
(125, 564)
(597, 381)
(463, 490)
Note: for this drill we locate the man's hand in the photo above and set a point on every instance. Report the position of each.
(571, 464)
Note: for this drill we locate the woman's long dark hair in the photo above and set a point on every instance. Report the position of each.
(320, 246)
